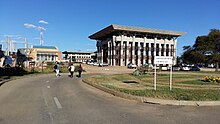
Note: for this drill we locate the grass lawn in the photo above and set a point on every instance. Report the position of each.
(186, 85)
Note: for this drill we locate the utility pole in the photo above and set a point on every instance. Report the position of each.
(7, 46)
(41, 37)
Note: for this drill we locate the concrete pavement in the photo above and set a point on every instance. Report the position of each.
(93, 70)
(45, 99)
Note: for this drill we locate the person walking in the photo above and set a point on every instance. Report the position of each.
(57, 69)
(71, 70)
(80, 69)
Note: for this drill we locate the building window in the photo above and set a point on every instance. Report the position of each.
(172, 50)
(167, 49)
(157, 49)
(152, 49)
(162, 49)
(147, 49)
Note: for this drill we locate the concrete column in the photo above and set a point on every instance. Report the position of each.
(165, 47)
(121, 50)
(155, 45)
(127, 53)
(133, 50)
(169, 50)
(110, 44)
(160, 49)
(98, 54)
(101, 55)
(114, 52)
(139, 53)
(121, 53)
(149, 53)
(109, 53)
(144, 51)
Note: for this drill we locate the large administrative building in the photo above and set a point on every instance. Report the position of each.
(120, 45)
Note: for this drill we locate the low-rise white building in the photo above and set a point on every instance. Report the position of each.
(77, 56)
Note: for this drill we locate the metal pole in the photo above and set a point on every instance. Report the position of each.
(171, 70)
(155, 78)
(155, 64)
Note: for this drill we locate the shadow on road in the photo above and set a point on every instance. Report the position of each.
(7, 73)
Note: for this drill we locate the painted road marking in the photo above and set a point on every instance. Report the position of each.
(57, 103)
(44, 97)
(48, 87)
(51, 118)
(47, 81)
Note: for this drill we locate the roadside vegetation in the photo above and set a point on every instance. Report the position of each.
(11, 72)
(186, 85)
(205, 51)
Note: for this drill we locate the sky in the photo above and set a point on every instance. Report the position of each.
(68, 23)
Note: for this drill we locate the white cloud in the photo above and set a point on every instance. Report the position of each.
(43, 22)
(36, 38)
(41, 28)
(19, 38)
(29, 25)
(90, 44)
(11, 35)
(90, 50)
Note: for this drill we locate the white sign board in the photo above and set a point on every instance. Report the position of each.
(163, 60)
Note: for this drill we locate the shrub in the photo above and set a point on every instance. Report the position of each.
(213, 79)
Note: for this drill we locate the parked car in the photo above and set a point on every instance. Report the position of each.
(164, 68)
(131, 65)
(96, 64)
(103, 64)
(195, 68)
(211, 65)
(90, 63)
(184, 68)
(176, 68)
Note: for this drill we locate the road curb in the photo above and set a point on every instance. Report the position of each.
(4, 81)
(154, 100)
(15, 78)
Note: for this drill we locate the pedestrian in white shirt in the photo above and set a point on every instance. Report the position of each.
(71, 70)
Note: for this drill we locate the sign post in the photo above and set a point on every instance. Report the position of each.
(155, 77)
(171, 70)
(163, 60)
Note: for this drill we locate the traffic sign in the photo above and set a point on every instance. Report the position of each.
(163, 60)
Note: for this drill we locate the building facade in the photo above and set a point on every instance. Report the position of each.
(45, 53)
(77, 56)
(120, 45)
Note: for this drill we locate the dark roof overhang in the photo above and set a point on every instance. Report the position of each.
(118, 28)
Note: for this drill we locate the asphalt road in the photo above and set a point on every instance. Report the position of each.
(46, 99)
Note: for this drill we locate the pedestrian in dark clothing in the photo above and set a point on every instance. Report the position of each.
(57, 69)
(80, 69)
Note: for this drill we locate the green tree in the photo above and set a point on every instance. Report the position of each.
(192, 56)
(205, 50)
(214, 39)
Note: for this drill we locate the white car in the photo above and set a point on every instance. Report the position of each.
(131, 65)
(185, 68)
(90, 63)
(96, 64)
(164, 68)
